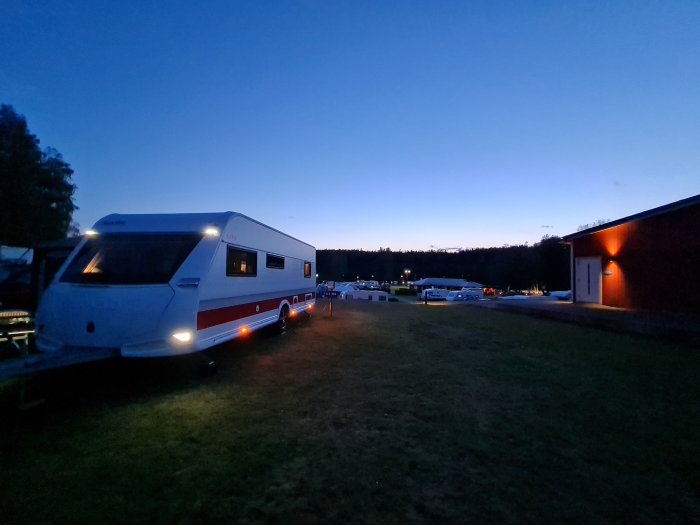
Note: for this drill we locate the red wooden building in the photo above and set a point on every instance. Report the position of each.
(648, 261)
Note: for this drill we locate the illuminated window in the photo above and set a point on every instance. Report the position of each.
(275, 261)
(307, 269)
(241, 262)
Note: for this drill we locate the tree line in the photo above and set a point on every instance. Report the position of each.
(36, 190)
(544, 265)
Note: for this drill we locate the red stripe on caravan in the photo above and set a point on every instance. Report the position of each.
(209, 318)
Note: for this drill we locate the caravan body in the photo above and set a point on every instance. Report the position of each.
(466, 294)
(434, 294)
(167, 284)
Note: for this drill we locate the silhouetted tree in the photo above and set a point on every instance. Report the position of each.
(554, 271)
(36, 192)
(597, 222)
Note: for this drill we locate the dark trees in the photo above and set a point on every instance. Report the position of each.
(36, 192)
(545, 264)
(554, 264)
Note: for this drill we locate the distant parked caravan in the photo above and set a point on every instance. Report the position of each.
(167, 284)
(434, 294)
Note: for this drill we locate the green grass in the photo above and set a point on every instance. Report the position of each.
(388, 413)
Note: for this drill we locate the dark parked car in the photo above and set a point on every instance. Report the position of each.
(22, 284)
(16, 286)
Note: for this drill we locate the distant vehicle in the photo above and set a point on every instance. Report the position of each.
(168, 284)
(370, 295)
(346, 290)
(321, 289)
(370, 285)
(434, 294)
(335, 291)
(466, 294)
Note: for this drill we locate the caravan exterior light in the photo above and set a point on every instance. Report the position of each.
(90, 233)
(184, 336)
(211, 231)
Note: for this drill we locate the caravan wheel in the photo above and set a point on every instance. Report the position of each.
(283, 322)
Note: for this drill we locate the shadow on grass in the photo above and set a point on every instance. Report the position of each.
(115, 382)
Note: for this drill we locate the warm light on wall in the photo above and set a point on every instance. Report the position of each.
(613, 239)
(613, 283)
(609, 267)
(612, 243)
(608, 270)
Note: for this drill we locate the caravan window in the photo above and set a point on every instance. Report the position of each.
(241, 262)
(307, 269)
(130, 258)
(275, 261)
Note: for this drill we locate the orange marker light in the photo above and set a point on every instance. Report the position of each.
(244, 330)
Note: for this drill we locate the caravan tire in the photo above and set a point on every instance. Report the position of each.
(283, 322)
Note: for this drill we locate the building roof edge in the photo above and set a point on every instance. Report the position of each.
(666, 208)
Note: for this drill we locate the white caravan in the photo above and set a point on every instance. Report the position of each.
(434, 294)
(466, 294)
(167, 284)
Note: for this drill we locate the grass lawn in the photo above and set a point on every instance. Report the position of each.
(389, 413)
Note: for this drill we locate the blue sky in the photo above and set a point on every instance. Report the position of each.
(358, 124)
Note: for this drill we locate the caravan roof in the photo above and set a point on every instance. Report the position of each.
(180, 222)
(172, 222)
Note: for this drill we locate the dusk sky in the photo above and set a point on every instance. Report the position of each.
(360, 124)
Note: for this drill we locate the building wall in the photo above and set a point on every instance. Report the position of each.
(651, 263)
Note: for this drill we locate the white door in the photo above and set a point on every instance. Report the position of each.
(588, 284)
